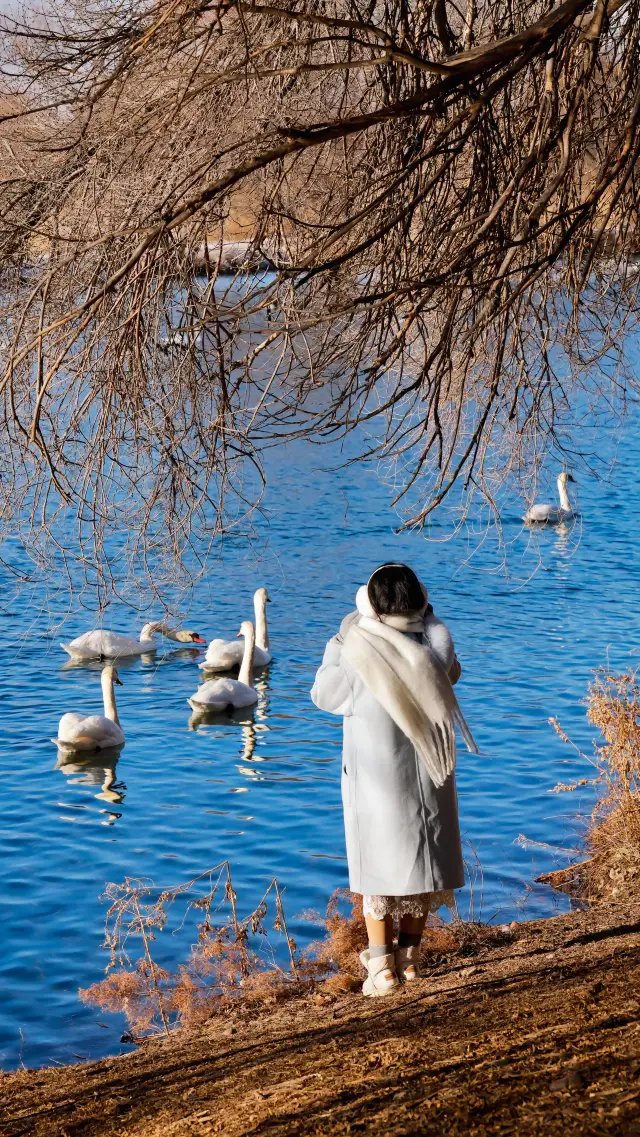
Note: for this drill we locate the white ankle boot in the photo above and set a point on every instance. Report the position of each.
(381, 974)
(408, 963)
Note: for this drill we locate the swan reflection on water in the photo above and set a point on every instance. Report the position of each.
(126, 661)
(252, 729)
(96, 769)
(252, 719)
(562, 540)
(189, 653)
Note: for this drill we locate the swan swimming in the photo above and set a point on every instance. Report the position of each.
(93, 732)
(544, 514)
(230, 694)
(112, 645)
(222, 655)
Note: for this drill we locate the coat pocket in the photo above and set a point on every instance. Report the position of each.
(346, 787)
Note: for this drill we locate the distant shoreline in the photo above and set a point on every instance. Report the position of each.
(231, 256)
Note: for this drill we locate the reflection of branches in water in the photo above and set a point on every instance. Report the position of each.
(447, 200)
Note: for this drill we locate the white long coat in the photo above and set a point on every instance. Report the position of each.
(402, 831)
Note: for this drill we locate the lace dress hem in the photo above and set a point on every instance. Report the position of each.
(417, 905)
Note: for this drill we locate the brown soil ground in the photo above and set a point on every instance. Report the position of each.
(540, 1035)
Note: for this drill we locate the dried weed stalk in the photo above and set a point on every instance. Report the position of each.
(223, 964)
(612, 838)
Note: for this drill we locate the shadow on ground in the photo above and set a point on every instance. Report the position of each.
(539, 1036)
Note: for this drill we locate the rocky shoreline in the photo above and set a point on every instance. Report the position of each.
(539, 1036)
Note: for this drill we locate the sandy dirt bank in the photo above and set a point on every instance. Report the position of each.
(540, 1035)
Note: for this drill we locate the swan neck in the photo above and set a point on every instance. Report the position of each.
(108, 695)
(564, 496)
(246, 669)
(260, 609)
(161, 628)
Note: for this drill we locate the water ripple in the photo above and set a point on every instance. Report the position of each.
(265, 792)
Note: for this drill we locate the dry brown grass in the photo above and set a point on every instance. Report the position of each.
(232, 968)
(539, 1039)
(612, 837)
(336, 954)
(227, 970)
(334, 958)
(226, 965)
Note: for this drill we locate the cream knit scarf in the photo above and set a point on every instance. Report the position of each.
(410, 683)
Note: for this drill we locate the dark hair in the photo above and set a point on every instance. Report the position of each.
(393, 589)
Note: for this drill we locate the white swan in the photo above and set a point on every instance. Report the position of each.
(230, 694)
(113, 645)
(545, 514)
(222, 655)
(93, 732)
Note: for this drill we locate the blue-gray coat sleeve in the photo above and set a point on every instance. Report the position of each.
(332, 690)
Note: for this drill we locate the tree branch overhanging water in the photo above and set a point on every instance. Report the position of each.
(447, 202)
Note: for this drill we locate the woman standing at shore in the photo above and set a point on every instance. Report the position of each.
(389, 672)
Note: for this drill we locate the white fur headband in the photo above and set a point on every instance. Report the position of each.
(392, 564)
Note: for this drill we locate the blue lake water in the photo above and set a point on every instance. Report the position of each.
(266, 795)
